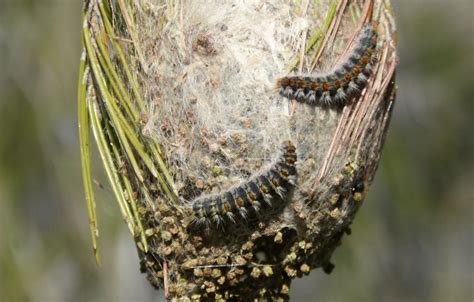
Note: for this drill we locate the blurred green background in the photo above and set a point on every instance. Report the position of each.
(412, 240)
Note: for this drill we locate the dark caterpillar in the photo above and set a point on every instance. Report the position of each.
(262, 189)
(338, 86)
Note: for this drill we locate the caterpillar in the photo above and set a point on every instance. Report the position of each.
(260, 190)
(338, 86)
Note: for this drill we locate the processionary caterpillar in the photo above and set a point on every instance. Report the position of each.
(262, 189)
(338, 86)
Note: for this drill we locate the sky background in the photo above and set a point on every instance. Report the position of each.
(411, 241)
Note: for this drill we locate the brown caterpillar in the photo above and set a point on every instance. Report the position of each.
(261, 189)
(338, 86)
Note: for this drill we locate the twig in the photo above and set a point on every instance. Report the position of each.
(165, 279)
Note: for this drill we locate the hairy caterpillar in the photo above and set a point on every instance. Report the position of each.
(338, 86)
(261, 189)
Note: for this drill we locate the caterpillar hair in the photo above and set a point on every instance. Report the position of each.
(261, 190)
(340, 85)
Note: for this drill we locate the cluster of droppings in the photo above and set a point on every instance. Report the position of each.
(199, 269)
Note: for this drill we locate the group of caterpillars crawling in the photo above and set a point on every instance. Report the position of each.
(263, 189)
(337, 87)
(342, 83)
